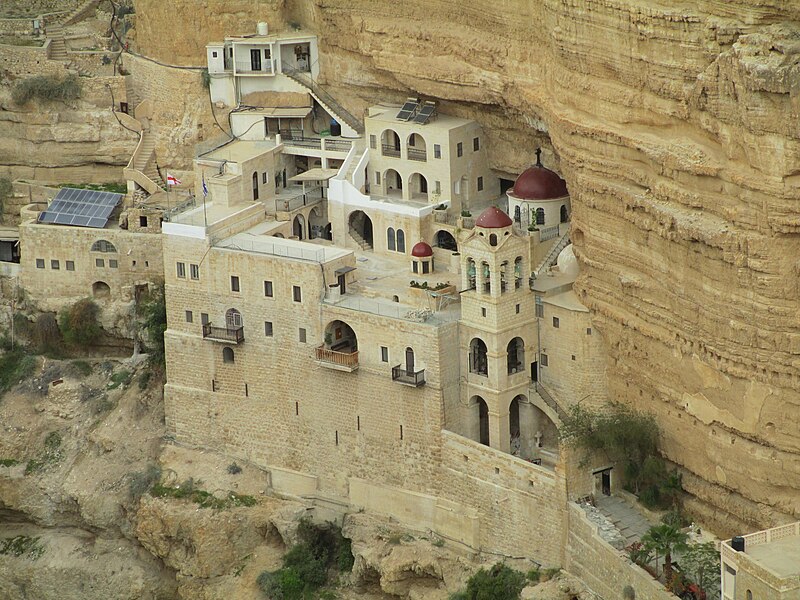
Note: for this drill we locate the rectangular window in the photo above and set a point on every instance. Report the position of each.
(539, 307)
(437, 151)
(384, 354)
(113, 263)
(301, 335)
(555, 322)
(483, 312)
(189, 317)
(517, 308)
(70, 265)
(181, 269)
(268, 328)
(297, 294)
(264, 177)
(588, 331)
(543, 360)
(480, 184)
(234, 283)
(99, 262)
(373, 143)
(268, 289)
(40, 263)
(437, 187)
(377, 177)
(194, 272)
(204, 318)
(214, 54)
(55, 265)
(142, 221)
(476, 144)
(460, 149)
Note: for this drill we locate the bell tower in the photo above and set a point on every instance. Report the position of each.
(497, 331)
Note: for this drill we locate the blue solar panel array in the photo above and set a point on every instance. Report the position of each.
(83, 208)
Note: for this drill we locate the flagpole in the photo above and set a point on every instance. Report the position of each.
(205, 193)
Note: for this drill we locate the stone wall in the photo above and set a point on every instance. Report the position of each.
(52, 283)
(605, 570)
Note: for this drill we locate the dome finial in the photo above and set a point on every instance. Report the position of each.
(539, 157)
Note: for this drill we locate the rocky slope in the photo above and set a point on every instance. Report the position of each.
(675, 125)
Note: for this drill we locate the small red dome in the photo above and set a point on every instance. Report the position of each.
(538, 183)
(493, 218)
(422, 250)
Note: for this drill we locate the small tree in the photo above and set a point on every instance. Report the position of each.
(665, 539)
(700, 562)
(154, 322)
(79, 324)
(501, 582)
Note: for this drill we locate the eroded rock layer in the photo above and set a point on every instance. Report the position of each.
(675, 125)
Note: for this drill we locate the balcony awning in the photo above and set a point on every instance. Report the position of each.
(344, 270)
(298, 112)
(316, 174)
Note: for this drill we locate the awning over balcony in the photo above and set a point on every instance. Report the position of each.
(315, 174)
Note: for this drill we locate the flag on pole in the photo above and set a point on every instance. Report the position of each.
(172, 180)
(205, 187)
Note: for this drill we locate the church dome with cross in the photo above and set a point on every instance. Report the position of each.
(539, 197)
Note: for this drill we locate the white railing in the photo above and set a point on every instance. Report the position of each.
(246, 66)
(266, 247)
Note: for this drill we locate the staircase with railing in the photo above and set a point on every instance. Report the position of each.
(81, 12)
(327, 101)
(142, 168)
(552, 255)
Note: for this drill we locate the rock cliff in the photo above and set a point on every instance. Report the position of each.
(675, 125)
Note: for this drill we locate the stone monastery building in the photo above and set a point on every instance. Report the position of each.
(351, 309)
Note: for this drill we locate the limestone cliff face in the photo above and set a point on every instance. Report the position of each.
(676, 128)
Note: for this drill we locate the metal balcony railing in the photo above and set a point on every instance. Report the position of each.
(388, 150)
(412, 378)
(234, 335)
(416, 154)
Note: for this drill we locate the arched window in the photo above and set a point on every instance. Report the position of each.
(493, 240)
(401, 241)
(564, 213)
(255, 185)
(227, 355)
(518, 272)
(540, 216)
(516, 356)
(487, 278)
(471, 273)
(390, 239)
(517, 213)
(233, 319)
(478, 362)
(103, 246)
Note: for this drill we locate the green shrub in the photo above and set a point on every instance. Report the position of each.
(498, 583)
(22, 545)
(154, 317)
(48, 88)
(8, 462)
(142, 481)
(79, 324)
(202, 498)
(466, 213)
(205, 78)
(51, 454)
(15, 365)
(81, 367)
(120, 378)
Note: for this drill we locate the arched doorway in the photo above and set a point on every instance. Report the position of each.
(418, 186)
(255, 185)
(516, 356)
(361, 229)
(564, 213)
(446, 241)
(298, 227)
(390, 143)
(339, 350)
(483, 420)
(513, 427)
(393, 183)
(100, 289)
(478, 360)
(233, 319)
(316, 224)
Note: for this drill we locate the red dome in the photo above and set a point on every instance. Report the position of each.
(538, 183)
(422, 250)
(493, 218)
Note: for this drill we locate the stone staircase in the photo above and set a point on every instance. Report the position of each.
(142, 168)
(81, 12)
(327, 101)
(552, 256)
(58, 47)
(356, 226)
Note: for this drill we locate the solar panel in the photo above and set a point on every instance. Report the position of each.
(408, 110)
(425, 113)
(82, 208)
